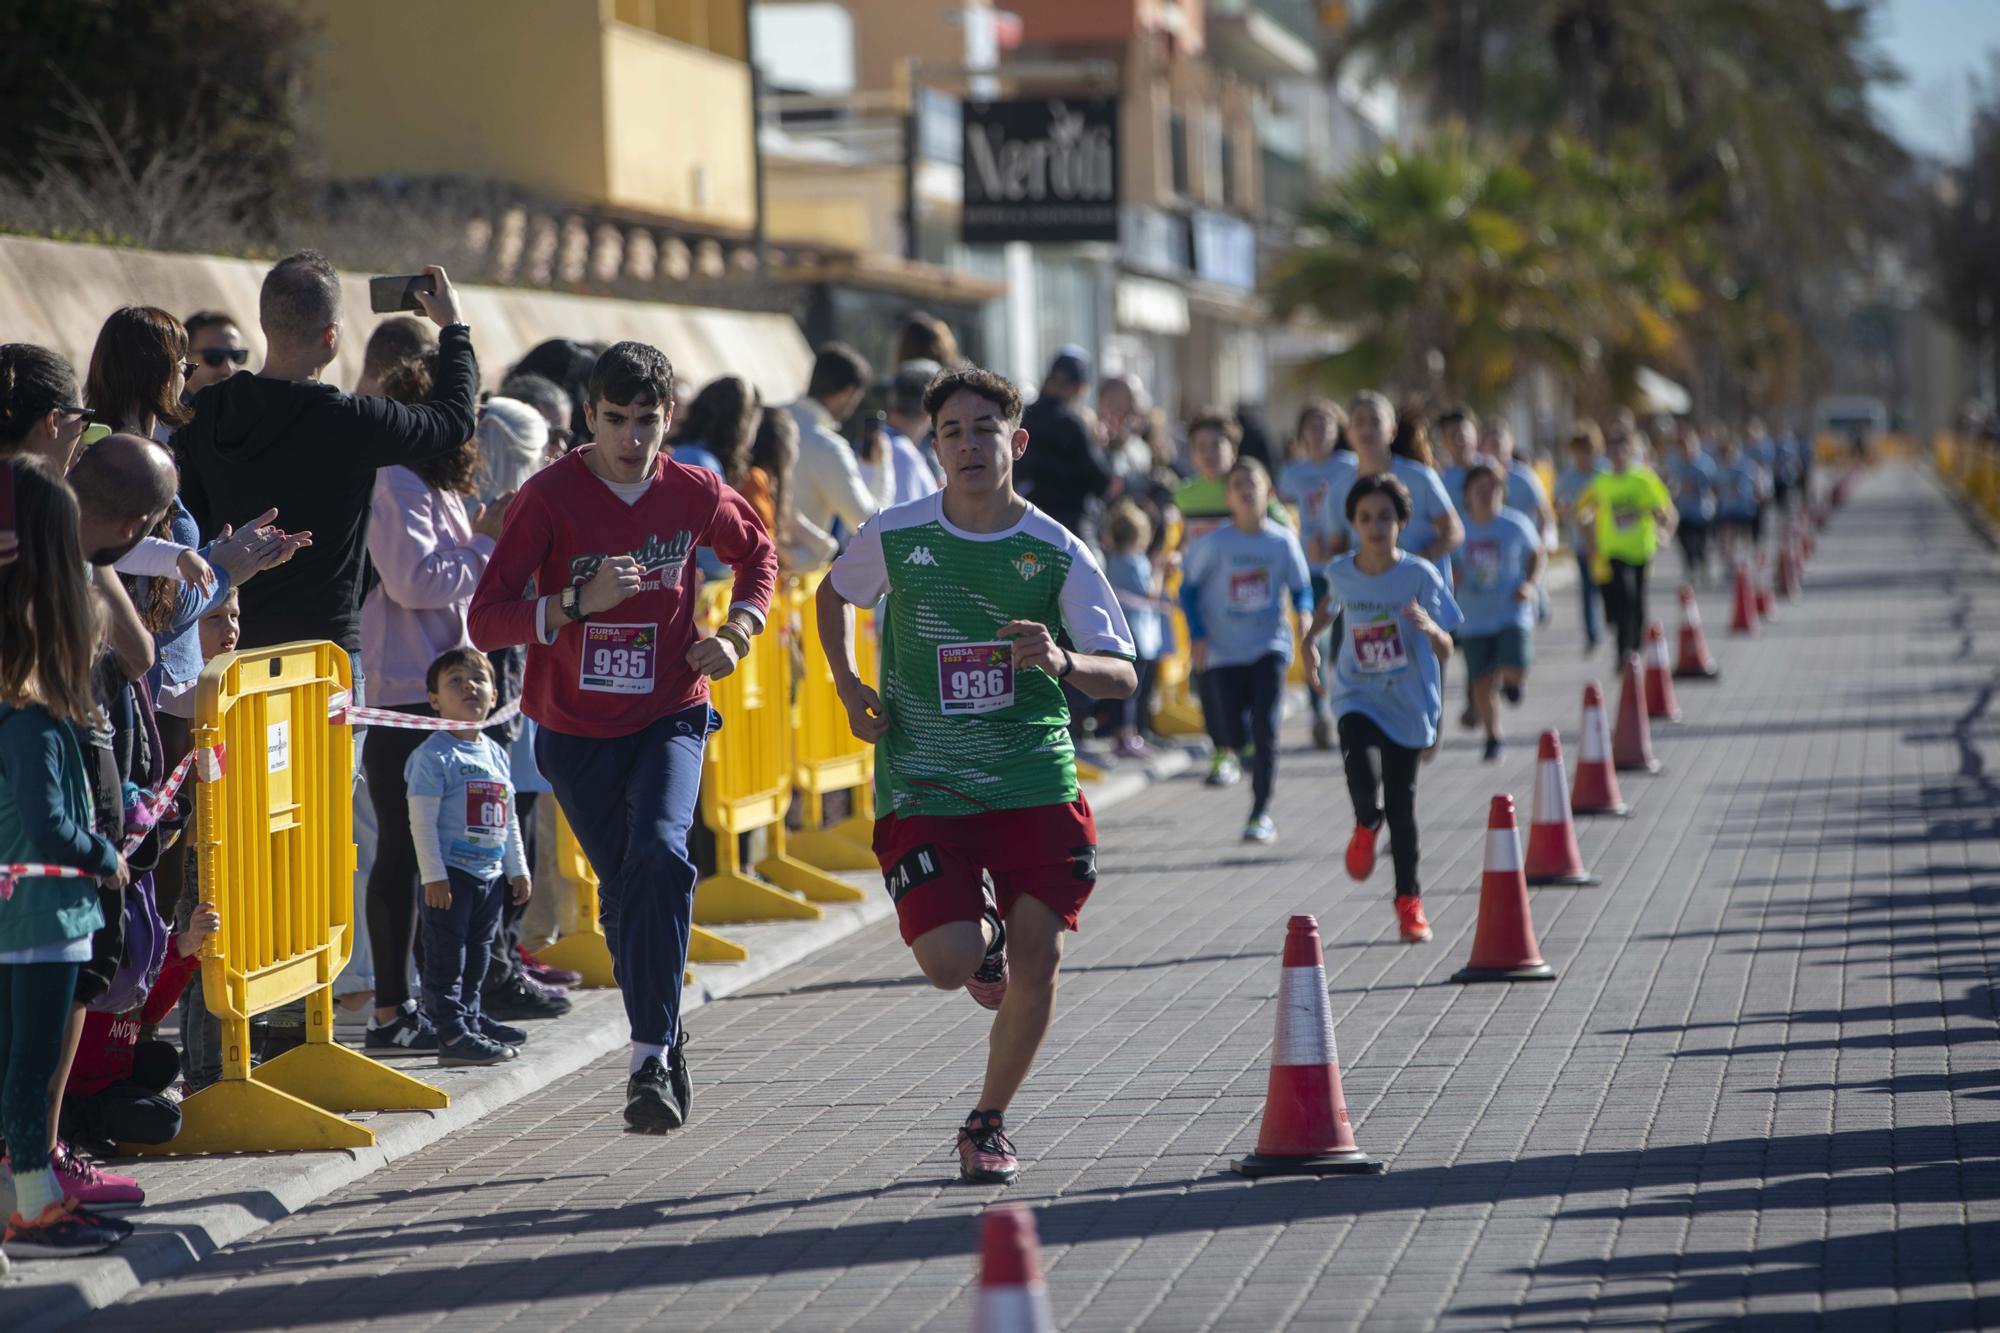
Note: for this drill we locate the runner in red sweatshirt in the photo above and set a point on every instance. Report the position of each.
(617, 679)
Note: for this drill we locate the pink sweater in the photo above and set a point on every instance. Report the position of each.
(429, 561)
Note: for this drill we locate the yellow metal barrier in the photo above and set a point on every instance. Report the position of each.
(1176, 712)
(829, 757)
(747, 783)
(584, 949)
(275, 837)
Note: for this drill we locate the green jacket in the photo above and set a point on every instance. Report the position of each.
(45, 817)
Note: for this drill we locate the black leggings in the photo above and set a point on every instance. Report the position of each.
(392, 880)
(34, 1017)
(1625, 605)
(1397, 790)
(1243, 702)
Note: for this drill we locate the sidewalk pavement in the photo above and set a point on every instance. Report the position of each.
(1762, 1090)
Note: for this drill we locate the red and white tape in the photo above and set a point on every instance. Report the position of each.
(342, 712)
(205, 762)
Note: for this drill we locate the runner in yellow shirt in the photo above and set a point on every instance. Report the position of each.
(1624, 514)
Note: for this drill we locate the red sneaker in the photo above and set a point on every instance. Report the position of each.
(540, 971)
(1410, 919)
(1361, 852)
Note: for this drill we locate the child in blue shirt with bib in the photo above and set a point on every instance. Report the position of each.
(1234, 585)
(1495, 575)
(467, 841)
(1387, 686)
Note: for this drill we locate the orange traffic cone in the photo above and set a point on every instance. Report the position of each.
(1743, 620)
(1632, 743)
(1306, 1131)
(1553, 856)
(1012, 1297)
(1503, 944)
(1596, 789)
(1766, 603)
(1659, 680)
(1694, 663)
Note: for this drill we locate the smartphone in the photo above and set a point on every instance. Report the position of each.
(7, 498)
(388, 295)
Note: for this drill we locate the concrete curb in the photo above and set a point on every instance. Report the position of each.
(175, 1236)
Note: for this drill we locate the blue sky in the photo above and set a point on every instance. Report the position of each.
(1938, 43)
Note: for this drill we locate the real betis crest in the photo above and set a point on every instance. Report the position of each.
(1027, 565)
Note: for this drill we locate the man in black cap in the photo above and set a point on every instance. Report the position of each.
(1065, 472)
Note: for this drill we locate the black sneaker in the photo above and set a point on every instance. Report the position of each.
(516, 997)
(409, 1030)
(473, 1049)
(1469, 718)
(652, 1106)
(494, 1030)
(1493, 749)
(677, 1074)
(1511, 693)
(988, 985)
(62, 1230)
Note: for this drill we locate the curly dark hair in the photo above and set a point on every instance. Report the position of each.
(723, 416)
(409, 381)
(979, 381)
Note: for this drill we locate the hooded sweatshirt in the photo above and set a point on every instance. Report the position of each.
(311, 451)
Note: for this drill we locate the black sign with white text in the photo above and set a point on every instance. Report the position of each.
(1041, 169)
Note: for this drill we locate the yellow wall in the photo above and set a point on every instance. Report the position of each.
(679, 130)
(555, 95)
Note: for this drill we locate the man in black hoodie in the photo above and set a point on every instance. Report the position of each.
(281, 439)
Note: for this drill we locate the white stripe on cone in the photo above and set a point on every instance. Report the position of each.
(1693, 613)
(1305, 1020)
(1551, 801)
(1656, 652)
(1596, 747)
(1015, 1310)
(1503, 851)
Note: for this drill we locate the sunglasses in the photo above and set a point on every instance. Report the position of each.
(218, 356)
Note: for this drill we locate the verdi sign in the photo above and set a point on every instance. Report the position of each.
(1041, 169)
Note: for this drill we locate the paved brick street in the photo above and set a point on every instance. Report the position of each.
(1765, 1088)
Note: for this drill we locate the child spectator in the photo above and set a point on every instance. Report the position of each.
(1128, 532)
(45, 817)
(117, 1090)
(467, 837)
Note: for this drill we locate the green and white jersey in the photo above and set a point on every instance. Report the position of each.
(967, 732)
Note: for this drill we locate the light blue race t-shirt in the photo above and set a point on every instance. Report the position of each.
(1691, 481)
(1314, 488)
(1131, 577)
(1494, 561)
(1737, 486)
(1571, 483)
(1428, 504)
(1452, 477)
(1383, 669)
(1525, 495)
(1233, 587)
(476, 792)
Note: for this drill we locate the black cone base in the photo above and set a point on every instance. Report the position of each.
(1699, 673)
(1356, 1163)
(1572, 881)
(1619, 811)
(1650, 766)
(1533, 972)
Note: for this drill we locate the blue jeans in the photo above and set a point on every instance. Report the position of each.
(458, 944)
(1588, 587)
(630, 800)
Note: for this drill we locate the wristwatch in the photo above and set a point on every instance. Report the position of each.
(570, 602)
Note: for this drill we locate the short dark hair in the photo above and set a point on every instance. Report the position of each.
(836, 369)
(300, 297)
(450, 658)
(1456, 413)
(1255, 467)
(1381, 483)
(1215, 419)
(539, 392)
(906, 389)
(396, 340)
(208, 319)
(1486, 468)
(132, 365)
(632, 372)
(995, 388)
(124, 477)
(33, 382)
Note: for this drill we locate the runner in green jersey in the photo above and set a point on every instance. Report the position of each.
(975, 773)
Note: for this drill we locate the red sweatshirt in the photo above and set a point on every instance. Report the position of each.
(104, 1056)
(620, 670)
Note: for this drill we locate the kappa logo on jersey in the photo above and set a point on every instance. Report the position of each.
(920, 556)
(1027, 566)
(668, 558)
